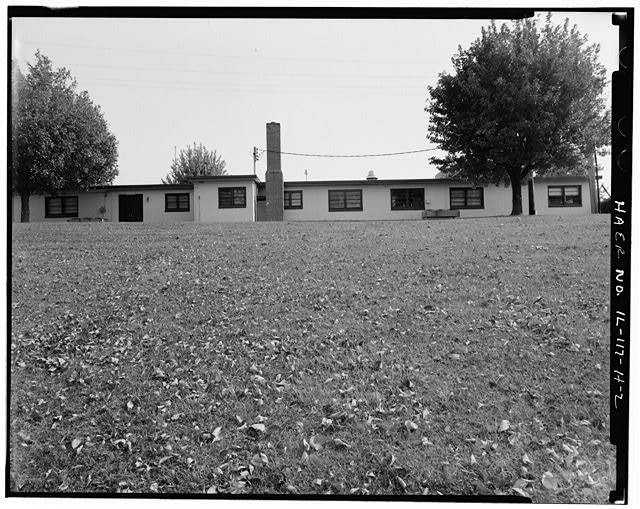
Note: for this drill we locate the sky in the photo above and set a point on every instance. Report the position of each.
(337, 87)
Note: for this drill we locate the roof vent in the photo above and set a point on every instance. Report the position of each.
(371, 176)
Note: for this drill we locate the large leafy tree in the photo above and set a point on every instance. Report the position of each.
(195, 161)
(60, 139)
(522, 98)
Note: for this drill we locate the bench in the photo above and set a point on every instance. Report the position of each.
(87, 220)
(440, 214)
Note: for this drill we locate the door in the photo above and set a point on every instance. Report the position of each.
(130, 208)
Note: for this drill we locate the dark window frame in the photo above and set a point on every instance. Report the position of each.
(63, 206)
(177, 197)
(287, 199)
(232, 205)
(466, 205)
(407, 191)
(344, 207)
(564, 203)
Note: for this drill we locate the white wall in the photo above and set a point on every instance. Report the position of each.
(90, 202)
(376, 204)
(153, 205)
(206, 201)
(497, 199)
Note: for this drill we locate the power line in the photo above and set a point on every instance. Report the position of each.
(247, 73)
(253, 56)
(352, 155)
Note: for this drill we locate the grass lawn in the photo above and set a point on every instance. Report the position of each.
(385, 358)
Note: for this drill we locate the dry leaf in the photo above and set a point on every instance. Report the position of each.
(410, 425)
(316, 445)
(259, 459)
(504, 425)
(549, 481)
(520, 491)
(340, 443)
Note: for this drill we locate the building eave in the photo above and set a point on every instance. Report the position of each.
(223, 178)
(139, 187)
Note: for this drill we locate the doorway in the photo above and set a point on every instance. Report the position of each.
(130, 208)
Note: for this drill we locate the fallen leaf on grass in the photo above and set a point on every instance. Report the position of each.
(526, 460)
(521, 483)
(341, 443)
(259, 460)
(520, 491)
(326, 422)
(504, 425)
(258, 427)
(77, 442)
(410, 425)
(549, 481)
(314, 443)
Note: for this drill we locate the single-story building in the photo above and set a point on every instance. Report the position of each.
(233, 198)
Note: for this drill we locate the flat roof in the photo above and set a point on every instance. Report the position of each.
(312, 183)
(124, 187)
(410, 182)
(300, 183)
(226, 177)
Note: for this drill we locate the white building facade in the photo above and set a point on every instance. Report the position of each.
(244, 198)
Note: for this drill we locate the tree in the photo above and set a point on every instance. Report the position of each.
(60, 139)
(195, 161)
(521, 99)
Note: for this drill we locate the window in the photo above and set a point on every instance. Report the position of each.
(62, 206)
(565, 196)
(407, 199)
(232, 197)
(293, 199)
(466, 198)
(176, 202)
(345, 199)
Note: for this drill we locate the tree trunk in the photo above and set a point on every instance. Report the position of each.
(24, 209)
(516, 190)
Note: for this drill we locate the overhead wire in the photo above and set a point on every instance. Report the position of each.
(252, 56)
(383, 154)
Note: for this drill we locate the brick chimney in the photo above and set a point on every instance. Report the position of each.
(274, 187)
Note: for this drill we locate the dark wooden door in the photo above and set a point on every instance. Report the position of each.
(130, 208)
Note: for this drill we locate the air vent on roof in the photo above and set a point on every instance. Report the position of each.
(371, 176)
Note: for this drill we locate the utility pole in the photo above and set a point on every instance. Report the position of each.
(595, 157)
(255, 158)
(306, 176)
